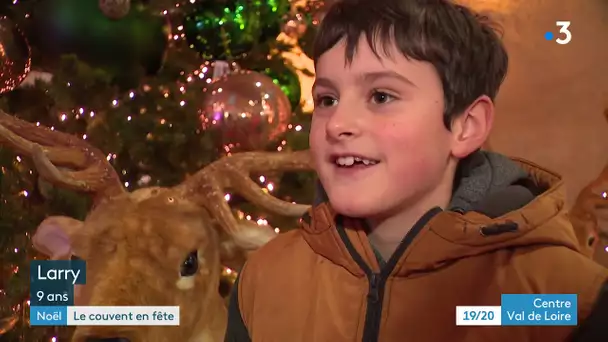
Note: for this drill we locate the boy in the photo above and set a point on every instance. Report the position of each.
(412, 219)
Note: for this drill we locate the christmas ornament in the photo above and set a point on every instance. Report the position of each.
(227, 30)
(115, 9)
(15, 56)
(245, 111)
(137, 41)
(295, 26)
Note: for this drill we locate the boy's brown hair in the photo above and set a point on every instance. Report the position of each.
(463, 46)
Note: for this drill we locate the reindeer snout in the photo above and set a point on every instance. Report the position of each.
(111, 339)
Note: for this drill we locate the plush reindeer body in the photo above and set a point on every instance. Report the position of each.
(154, 246)
(589, 209)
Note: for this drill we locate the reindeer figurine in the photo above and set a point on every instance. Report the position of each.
(591, 205)
(154, 246)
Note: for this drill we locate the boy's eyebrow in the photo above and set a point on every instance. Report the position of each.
(323, 82)
(369, 77)
(365, 78)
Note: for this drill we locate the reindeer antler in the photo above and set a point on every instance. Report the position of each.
(50, 149)
(92, 173)
(207, 185)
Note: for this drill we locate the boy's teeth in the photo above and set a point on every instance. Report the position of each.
(345, 161)
(350, 161)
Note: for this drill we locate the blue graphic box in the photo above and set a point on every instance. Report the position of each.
(52, 281)
(539, 309)
(48, 316)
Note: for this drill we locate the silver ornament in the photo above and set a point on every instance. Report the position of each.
(247, 109)
(115, 9)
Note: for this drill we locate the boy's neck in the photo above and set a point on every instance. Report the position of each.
(387, 232)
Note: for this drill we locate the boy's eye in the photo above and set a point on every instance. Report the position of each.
(325, 101)
(380, 97)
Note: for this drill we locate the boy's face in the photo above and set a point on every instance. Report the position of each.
(378, 138)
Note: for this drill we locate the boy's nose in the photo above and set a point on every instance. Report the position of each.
(343, 126)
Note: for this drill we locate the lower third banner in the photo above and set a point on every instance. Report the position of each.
(104, 315)
(522, 310)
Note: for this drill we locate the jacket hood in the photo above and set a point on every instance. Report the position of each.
(497, 203)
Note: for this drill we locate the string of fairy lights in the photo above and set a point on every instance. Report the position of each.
(201, 74)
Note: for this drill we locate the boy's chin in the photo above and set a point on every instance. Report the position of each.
(355, 207)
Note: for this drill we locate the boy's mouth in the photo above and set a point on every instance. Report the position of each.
(347, 161)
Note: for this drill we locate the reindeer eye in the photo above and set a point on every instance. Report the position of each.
(190, 265)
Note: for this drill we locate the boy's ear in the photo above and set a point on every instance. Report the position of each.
(234, 249)
(471, 129)
(54, 236)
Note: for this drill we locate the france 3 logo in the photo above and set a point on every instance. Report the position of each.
(564, 35)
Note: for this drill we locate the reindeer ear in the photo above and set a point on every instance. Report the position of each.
(235, 248)
(54, 236)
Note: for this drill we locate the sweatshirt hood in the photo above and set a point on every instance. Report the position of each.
(497, 203)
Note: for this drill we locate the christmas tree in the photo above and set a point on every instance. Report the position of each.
(141, 81)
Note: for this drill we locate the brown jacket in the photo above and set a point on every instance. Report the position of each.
(324, 282)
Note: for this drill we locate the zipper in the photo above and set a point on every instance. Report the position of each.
(374, 308)
(373, 294)
(377, 281)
